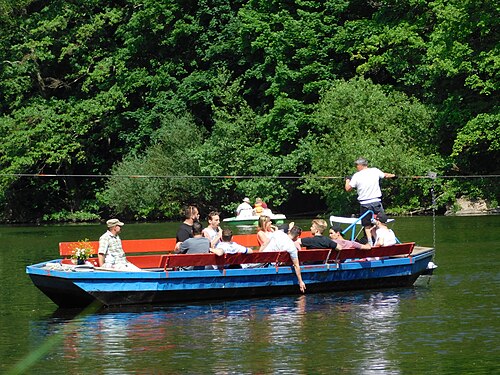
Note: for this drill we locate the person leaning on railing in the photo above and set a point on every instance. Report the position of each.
(336, 235)
(281, 241)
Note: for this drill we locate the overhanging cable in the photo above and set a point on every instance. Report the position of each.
(49, 175)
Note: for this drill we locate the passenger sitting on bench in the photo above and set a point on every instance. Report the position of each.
(318, 241)
(383, 235)
(227, 246)
(110, 252)
(196, 244)
(281, 241)
(336, 235)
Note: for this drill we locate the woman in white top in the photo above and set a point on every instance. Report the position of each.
(264, 229)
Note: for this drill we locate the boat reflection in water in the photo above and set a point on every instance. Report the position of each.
(377, 332)
(245, 336)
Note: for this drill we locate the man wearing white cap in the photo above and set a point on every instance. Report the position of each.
(244, 209)
(110, 253)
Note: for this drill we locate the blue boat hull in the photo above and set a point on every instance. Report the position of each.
(79, 289)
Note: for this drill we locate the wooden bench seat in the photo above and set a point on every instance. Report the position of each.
(169, 260)
(282, 257)
(382, 251)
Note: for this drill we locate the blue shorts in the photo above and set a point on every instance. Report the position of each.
(376, 207)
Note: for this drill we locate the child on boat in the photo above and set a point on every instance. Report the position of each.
(228, 246)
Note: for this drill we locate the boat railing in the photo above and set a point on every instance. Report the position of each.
(282, 258)
(145, 254)
(352, 227)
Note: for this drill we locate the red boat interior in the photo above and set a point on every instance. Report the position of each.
(158, 254)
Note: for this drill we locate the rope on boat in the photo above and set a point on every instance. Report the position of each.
(434, 205)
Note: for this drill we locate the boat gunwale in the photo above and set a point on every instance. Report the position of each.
(96, 273)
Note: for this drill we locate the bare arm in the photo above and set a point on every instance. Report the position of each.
(177, 248)
(218, 252)
(347, 186)
(296, 266)
(100, 258)
(264, 245)
(216, 238)
(389, 175)
(102, 250)
(205, 234)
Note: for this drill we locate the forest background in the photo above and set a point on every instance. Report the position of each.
(284, 94)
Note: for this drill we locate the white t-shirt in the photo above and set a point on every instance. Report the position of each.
(279, 241)
(385, 237)
(232, 247)
(244, 210)
(212, 234)
(366, 182)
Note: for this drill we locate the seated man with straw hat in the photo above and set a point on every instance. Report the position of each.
(110, 253)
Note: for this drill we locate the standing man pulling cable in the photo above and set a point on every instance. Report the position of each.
(366, 182)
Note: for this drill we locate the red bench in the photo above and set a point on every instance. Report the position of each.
(156, 245)
(166, 260)
(282, 257)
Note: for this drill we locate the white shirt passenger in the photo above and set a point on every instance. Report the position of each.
(280, 241)
(385, 237)
(244, 210)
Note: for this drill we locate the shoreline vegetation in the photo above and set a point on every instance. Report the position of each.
(136, 110)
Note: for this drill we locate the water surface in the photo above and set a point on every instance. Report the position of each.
(447, 323)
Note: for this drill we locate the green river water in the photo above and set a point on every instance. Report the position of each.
(445, 324)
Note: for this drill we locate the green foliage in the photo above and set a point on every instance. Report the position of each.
(90, 87)
(154, 185)
(357, 118)
(477, 145)
(76, 217)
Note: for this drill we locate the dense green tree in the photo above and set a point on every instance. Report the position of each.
(357, 118)
(154, 185)
(89, 88)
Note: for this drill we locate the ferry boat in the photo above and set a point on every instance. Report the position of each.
(165, 277)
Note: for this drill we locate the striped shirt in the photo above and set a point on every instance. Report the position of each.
(111, 247)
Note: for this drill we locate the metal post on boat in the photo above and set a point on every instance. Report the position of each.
(353, 225)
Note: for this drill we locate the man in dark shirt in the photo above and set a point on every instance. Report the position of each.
(318, 241)
(185, 230)
(197, 243)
